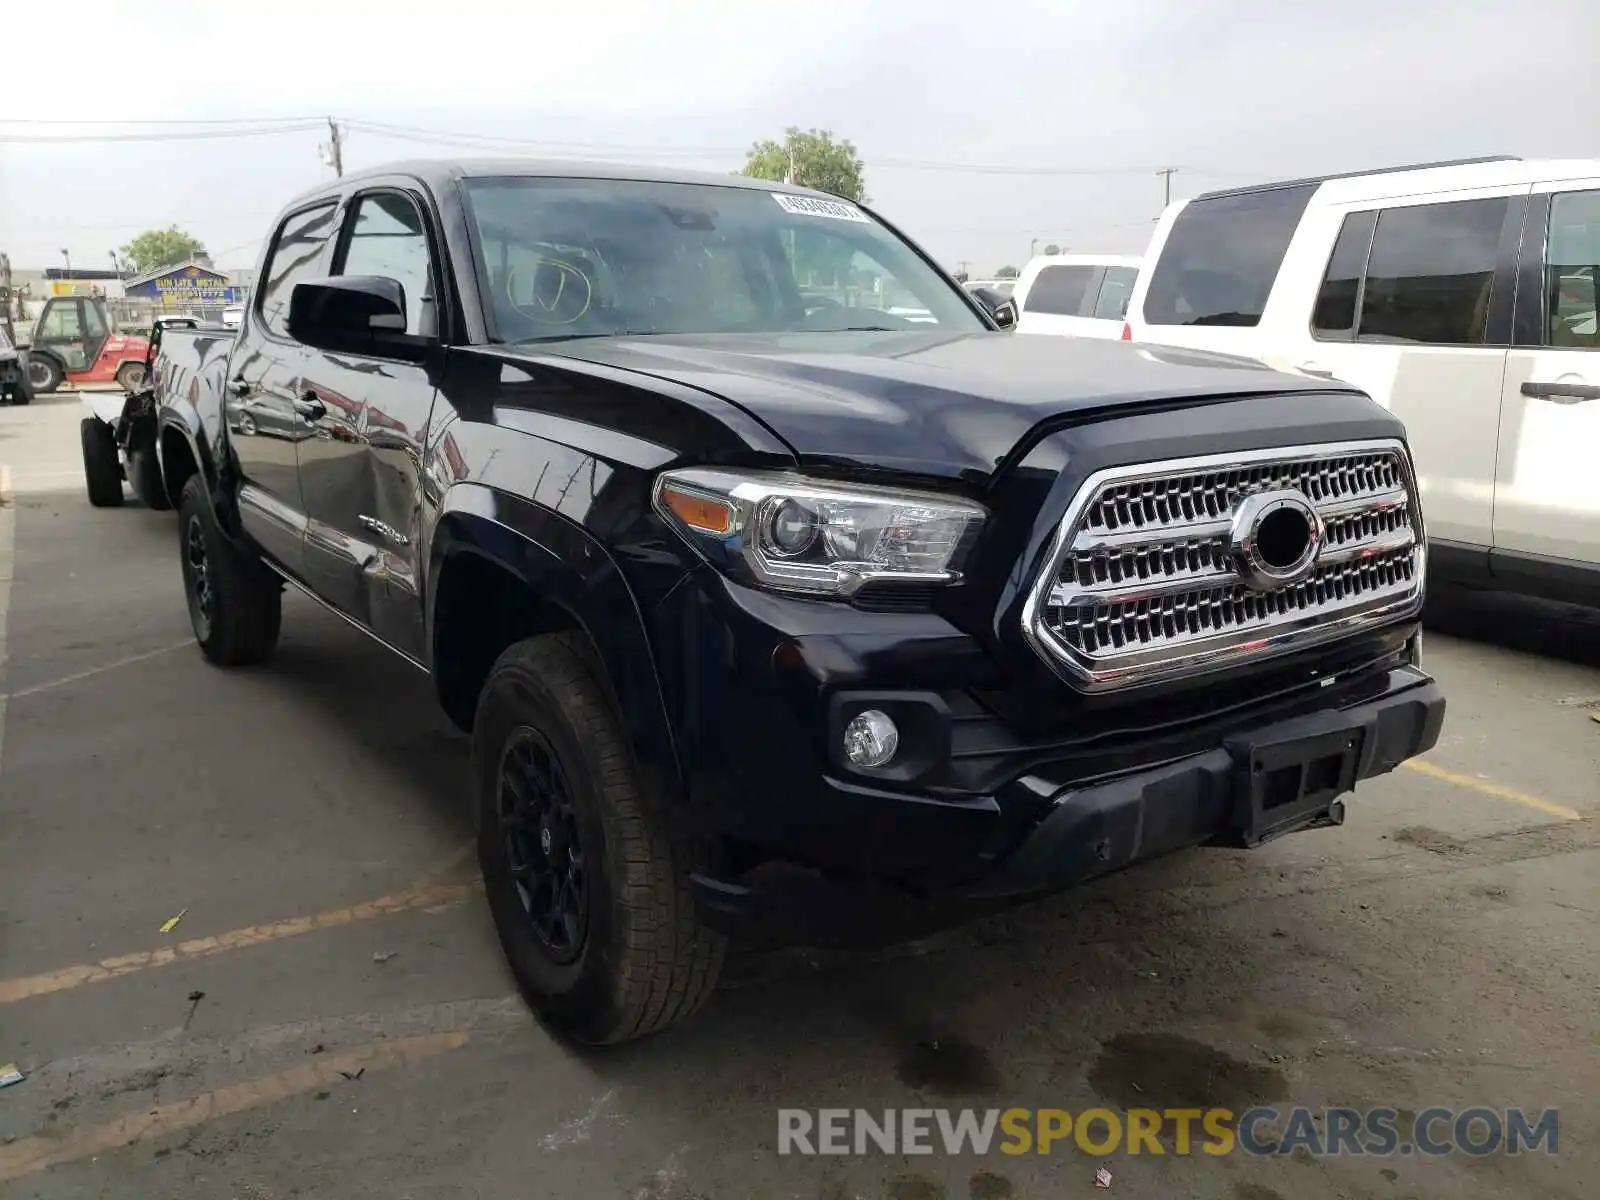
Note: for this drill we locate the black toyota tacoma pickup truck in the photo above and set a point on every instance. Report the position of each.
(777, 583)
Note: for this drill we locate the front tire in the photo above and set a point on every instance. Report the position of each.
(586, 873)
(101, 470)
(131, 377)
(44, 374)
(235, 603)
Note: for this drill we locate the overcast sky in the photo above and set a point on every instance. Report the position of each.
(1228, 90)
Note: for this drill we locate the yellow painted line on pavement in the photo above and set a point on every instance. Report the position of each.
(1486, 788)
(446, 864)
(13, 990)
(28, 1156)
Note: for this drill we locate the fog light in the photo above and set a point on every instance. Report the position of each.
(870, 739)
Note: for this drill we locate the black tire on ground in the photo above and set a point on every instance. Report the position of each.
(131, 376)
(638, 959)
(17, 390)
(144, 476)
(101, 470)
(235, 602)
(44, 374)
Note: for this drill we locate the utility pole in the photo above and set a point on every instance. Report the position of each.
(335, 147)
(1166, 174)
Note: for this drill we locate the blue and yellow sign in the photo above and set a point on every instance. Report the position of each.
(189, 285)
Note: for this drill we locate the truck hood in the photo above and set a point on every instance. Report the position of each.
(932, 403)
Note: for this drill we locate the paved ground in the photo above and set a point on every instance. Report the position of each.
(331, 1018)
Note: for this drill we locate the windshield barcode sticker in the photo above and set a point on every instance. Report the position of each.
(810, 206)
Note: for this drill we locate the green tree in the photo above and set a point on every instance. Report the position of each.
(1006, 273)
(810, 158)
(1052, 248)
(161, 248)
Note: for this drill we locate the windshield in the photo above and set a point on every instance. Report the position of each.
(591, 257)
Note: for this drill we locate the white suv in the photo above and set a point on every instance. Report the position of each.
(1461, 296)
(1084, 295)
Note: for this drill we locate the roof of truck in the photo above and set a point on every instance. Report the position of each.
(437, 171)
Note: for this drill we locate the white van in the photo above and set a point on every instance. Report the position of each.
(1461, 296)
(1085, 295)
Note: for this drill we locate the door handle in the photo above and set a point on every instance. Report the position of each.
(1311, 368)
(1561, 393)
(239, 386)
(310, 407)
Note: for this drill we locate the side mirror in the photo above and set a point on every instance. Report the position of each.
(1002, 308)
(357, 314)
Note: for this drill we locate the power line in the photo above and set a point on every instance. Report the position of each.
(262, 126)
(194, 135)
(152, 120)
(445, 136)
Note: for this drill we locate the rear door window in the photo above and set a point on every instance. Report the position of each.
(1222, 256)
(1115, 290)
(1572, 271)
(1335, 311)
(296, 255)
(1058, 291)
(1431, 271)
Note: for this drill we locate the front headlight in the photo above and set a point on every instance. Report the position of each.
(798, 535)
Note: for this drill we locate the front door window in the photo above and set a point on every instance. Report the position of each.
(62, 330)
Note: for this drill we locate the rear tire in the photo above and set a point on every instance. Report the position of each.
(636, 957)
(144, 476)
(101, 470)
(235, 602)
(44, 374)
(131, 377)
(18, 389)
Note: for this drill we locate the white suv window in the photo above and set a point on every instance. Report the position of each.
(1334, 315)
(1058, 291)
(1222, 255)
(1572, 271)
(1116, 289)
(1431, 271)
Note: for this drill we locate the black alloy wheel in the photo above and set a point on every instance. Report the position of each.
(543, 847)
(202, 601)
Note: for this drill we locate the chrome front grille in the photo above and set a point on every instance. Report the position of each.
(1146, 581)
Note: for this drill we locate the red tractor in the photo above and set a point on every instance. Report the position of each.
(74, 342)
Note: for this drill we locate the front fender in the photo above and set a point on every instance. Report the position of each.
(566, 566)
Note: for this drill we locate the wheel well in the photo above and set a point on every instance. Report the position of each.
(177, 463)
(480, 608)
